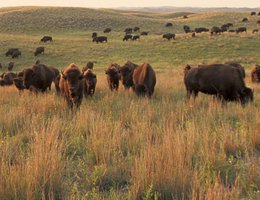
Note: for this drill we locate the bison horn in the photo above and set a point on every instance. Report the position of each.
(63, 75)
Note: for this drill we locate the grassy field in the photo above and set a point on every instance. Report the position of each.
(118, 146)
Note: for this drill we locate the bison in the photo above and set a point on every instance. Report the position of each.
(193, 35)
(128, 30)
(186, 29)
(253, 13)
(1, 66)
(10, 51)
(144, 33)
(107, 30)
(241, 30)
(255, 31)
(201, 30)
(18, 82)
(136, 37)
(216, 30)
(89, 65)
(222, 80)
(169, 36)
(71, 86)
(16, 54)
(94, 34)
(100, 39)
(240, 67)
(127, 37)
(10, 66)
(255, 74)
(39, 76)
(136, 29)
(113, 76)
(38, 51)
(140, 77)
(8, 78)
(90, 81)
(46, 39)
(245, 20)
(168, 24)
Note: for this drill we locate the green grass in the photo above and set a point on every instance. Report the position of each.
(119, 146)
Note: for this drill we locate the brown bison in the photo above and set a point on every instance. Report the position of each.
(136, 29)
(107, 30)
(245, 20)
(16, 54)
(10, 51)
(8, 78)
(136, 37)
(255, 74)
(10, 66)
(127, 37)
(255, 31)
(241, 30)
(113, 76)
(140, 77)
(240, 67)
(1, 66)
(169, 36)
(94, 34)
(39, 76)
(71, 86)
(193, 35)
(100, 39)
(18, 82)
(90, 81)
(186, 29)
(221, 80)
(128, 30)
(39, 50)
(253, 13)
(144, 33)
(89, 65)
(46, 39)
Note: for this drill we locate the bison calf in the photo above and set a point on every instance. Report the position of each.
(90, 81)
(113, 76)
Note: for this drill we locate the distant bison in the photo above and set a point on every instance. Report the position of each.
(90, 81)
(89, 65)
(128, 30)
(10, 51)
(169, 36)
(253, 13)
(136, 37)
(136, 29)
(39, 50)
(94, 34)
(168, 24)
(18, 82)
(231, 31)
(216, 30)
(201, 30)
(185, 17)
(255, 31)
(186, 29)
(71, 86)
(16, 54)
(241, 30)
(141, 78)
(39, 76)
(255, 74)
(10, 66)
(144, 33)
(100, 39)
(127, 37)
(221, 80)
(113, 76)
(245, 20)
(46, 39)
(107, 30)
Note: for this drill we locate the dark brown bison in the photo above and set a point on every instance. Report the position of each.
(128, 30)
(113, 76)
(89, 65)
(168, 24)
(90, 81)
(127, 37)
(136, 29)
(37, 62)
(39, 76)
(201, 30)
(8, 78)
(255, 74)
(10, 66)
(94, 34)
(216, 30)
(140, 77)
(241, 30)
(136, 37)
(185, 16)
(193, 35)
(100, 39)
(255, 31)
(258, 22)
(18, 82)
(144, 33)
(46, 39)
(186, 29)
(253, 13)
(10, 51)
(245, 20)
(221, 80)
(169, 36)
(16, 54)
(107, 30)
(71, 86)
(39, 50)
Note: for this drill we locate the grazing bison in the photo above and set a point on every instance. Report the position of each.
(39, 50)
(241, 30)
(186, 29)
(168, 24)
(127, 37)
(16, 54)
(231, 31)
(245, 20)
(185, 17)
(107, 30)
(10, 51)
(100, 39)
(10, 66)
(144, 33)
(169, 36)
(71, 86)
(113, 76)
(193, 35)
(201, 30)
(89, 65)
(222, 80)
(46, 39)
(136, 29)
(255, 74)
(255, 31)
(141, 78)
(253, 13)
(39, 76)
(128, 30)
(8, 78)
(136, 37)
(94, 34)
(216, 30)
(90, 81)
(18, 82)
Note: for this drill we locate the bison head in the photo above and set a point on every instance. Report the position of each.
(90, 78)
(246, 95)
(28, 77)
(126, 76)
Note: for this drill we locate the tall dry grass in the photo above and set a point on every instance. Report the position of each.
(118, 146)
